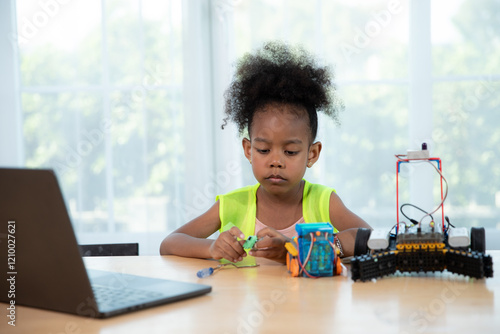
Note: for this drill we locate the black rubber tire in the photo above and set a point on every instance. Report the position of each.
(477, 239)
(361, 243)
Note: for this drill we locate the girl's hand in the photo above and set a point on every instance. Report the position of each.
(228, 247)
(271, 245)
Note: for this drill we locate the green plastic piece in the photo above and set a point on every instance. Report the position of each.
(250, 242)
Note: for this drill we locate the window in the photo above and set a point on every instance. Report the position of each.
(124, 100)
(466, 82)
(101, 96)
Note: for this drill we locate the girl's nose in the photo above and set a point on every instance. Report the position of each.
(276, 162)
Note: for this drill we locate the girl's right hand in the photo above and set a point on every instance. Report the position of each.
(228, 247)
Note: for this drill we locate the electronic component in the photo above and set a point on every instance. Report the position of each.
(313, 253)
(419, 247)
(250, 242)
(458, 237)
(292, 261)
(379, 239)
(418, 155)
(315, 249)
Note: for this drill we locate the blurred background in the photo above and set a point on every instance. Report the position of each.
(123, 99)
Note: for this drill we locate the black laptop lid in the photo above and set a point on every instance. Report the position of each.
(37, 240)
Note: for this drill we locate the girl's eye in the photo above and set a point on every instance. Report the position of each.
(262, 151)
(291, 152)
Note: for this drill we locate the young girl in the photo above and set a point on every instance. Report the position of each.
(275, 97)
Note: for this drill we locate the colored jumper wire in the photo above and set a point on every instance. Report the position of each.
(205, 272)
(440, 172)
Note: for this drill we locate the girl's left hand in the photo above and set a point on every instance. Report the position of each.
(271, 245)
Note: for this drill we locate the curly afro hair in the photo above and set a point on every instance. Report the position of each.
(284, 74)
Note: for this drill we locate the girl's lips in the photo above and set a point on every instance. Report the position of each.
(275, 178)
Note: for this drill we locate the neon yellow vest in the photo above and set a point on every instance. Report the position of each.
(240, 206)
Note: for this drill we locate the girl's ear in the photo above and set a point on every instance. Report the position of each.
(314, 152)
(247, 148)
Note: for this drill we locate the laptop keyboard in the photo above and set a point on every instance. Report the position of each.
(109, 297)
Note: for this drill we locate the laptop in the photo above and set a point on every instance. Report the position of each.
(41, 262)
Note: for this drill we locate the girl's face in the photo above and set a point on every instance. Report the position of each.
(280, 147)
